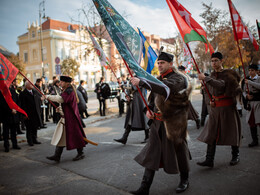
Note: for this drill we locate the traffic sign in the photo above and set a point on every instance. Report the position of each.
(58, 69)
(57, 60)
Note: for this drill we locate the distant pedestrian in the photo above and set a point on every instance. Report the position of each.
(10, 120)
(30, 104)
(84, 93)
(103, 92)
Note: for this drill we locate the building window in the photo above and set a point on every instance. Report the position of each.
(44, 51)
(33, 34)
(34, 52)
(25, 57)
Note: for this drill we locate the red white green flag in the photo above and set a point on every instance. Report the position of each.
(190, 30)
(239, 28)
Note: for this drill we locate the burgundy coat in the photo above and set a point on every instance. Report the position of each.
(73, 126)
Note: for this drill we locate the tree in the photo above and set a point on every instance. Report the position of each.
(14, 59)
(70, 67)
(220, 34)
(18, 63)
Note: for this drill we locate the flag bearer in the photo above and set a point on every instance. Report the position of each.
(223, 126)
(167, 146)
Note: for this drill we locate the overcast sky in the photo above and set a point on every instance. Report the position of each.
(152, 16)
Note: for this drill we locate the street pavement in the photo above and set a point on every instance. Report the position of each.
(109, 168)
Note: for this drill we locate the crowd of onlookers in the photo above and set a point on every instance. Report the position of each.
(39, 112)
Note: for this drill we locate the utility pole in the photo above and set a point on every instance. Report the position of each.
(41, 11)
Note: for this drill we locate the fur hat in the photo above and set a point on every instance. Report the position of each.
(253, 66)
(166, 57)
(217, 55)
(66, 79)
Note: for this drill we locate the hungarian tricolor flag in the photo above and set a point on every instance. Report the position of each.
(8, 73)
(239, 28)
(258, 28)
(190, 30)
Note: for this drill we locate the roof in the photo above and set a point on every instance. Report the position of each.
(59, 25)
(5, 51)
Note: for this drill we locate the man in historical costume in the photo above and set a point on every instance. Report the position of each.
(192, 113)
(167, 145)
(135, 118)
(30, 103)
(69, 131)
(223, 126)
(253, 98)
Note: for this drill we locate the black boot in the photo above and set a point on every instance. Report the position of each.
(146, 131)
(184, 183)
(146, 183)
(198, 123)
(202, 122)
(235, 155)
(123, 139)
(80, 154)
(254, 137)
(57, 154)
(209, 162)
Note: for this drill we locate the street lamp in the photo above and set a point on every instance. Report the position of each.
(41, 10)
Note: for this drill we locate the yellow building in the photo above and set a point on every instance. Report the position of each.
(60, 40)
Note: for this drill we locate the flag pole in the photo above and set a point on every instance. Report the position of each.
(258, 29)
(235, 33)
(37, 89)
(198, 70)
(148, 109)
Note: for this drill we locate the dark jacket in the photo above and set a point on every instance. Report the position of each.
(160, 151)
(31, 105)
(83, 92)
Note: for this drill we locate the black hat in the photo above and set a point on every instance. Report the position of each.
(253, 66)
(166, 57)
(66, 79)
(181, 68)
(217, 55)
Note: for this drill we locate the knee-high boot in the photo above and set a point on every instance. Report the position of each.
(254, 137)
(235, 155)
(80, 154)
(57, 154)
(184, 183)
(146, 132)
(209, 162)
(123, 139)
(146, 183)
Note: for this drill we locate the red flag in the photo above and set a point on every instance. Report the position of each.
(8, 73)
(239, 28)
(190, 30)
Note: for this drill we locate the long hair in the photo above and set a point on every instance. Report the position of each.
(74, 89)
